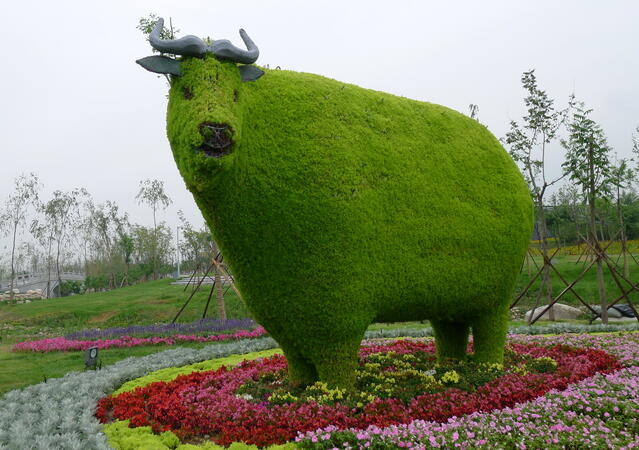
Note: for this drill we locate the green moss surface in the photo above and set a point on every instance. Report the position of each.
(339, 206)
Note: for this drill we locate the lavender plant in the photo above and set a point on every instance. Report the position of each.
(201, 326)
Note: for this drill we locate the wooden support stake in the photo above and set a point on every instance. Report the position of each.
(569, 288)
(192, 294)
(223, 269)
(208, 300)
(530, 283)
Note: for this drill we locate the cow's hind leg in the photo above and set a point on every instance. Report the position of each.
(301, 370)
(489, 335)
(336, 363)
(451, 338)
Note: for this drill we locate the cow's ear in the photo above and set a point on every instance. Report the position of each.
(250, 73)
(161, 64)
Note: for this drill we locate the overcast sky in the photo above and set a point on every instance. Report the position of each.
(78, 111)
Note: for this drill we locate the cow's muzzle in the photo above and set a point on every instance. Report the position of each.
(218, 139)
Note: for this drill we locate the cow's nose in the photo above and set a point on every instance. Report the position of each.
(218, 139)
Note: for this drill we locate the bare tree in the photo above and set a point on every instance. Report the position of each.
(63, 212)
(44, 232)
(529, 146)
(15, 212)
(85, 230)
(106, 220)
(152, 194)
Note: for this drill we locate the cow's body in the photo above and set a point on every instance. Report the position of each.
(338, 206)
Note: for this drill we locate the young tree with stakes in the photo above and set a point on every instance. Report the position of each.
(588, 165)
(152, 194)
(567, 213)
(529, 145)
(14, 215)
(200, 247)
(621, 178)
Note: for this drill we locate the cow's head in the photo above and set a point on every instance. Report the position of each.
(204, 120)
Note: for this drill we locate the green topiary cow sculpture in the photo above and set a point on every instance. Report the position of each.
(338, 206)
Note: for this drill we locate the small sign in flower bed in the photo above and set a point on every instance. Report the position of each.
(398, 382)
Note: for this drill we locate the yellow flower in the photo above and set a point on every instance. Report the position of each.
(451, 377)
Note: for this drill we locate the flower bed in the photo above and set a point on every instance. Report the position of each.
(599, 412)
(60, 412)
(64, 344)
(72, 342)
(398, 382)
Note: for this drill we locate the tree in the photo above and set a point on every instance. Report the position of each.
(152, 194)
(153, 247)
(15, 213)
(621, 178)
(43, 231)
(588, 165)
(106, 220)
(196, 246)
(85, 231)
(126, 244)
(199, 247)
(567, 214)
(529, 145)
(61, 214)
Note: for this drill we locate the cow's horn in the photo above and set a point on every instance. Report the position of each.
(223, 49)
(185, 46)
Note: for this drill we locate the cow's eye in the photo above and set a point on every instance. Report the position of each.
(187, 93)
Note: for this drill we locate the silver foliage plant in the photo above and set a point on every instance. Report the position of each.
(59, 414)
(555, 328)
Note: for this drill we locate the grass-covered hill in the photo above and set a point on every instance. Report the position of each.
(144, 303)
